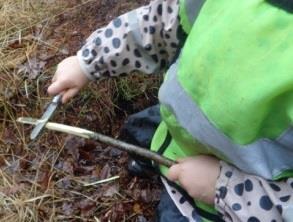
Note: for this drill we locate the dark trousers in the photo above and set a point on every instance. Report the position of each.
(139, 129)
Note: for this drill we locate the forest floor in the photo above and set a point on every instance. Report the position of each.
(49, 179)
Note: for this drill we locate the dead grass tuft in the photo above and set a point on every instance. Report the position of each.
(44, 180)
(19, 21)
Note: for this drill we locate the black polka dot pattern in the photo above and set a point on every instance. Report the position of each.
(113, 63)
(239, 189)
(160, 9)
(152, 30)
(248, 185)
(155, 58)
(223, 192)
(121, 52)
(195, 216)
(253, 219)
(109, 33)
(182, 200)
(85, 53)
(125, 62)
(106, 50)
(117, 22)
(228, 174)
(94, 53)
(98, 41)
(275, 187)
(265, 203)
(137, 64)
(148, 47)
(250, 197)
(146, 17)
(280, 209)
(285, 198)
(137, 53)
(236, 207)
(116, 43)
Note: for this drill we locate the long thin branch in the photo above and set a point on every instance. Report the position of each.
(104, 139)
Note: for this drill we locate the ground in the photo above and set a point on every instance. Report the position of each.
(50, 179)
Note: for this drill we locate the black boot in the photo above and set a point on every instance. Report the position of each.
(141, 168)
(138, 130)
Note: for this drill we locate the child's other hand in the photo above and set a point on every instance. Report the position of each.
(198, 176)
(68, 79)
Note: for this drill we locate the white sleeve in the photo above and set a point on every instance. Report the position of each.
(145, 39)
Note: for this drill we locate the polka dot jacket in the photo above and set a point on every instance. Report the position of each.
(145, 39)
(243, 197)
(148, 39)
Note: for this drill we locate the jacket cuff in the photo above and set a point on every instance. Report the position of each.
(222, 186)
(85, 68)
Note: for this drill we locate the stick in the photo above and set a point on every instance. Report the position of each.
(104, 139)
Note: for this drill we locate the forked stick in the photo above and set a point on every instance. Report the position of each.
(104, 139)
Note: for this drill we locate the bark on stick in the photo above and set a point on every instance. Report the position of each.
(104, 139)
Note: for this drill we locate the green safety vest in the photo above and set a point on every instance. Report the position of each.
(230, 93)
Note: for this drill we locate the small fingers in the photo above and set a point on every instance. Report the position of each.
(69, 94)
(56, 88)
(54, 78)
(174, 172)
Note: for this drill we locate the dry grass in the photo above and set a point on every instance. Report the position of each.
(18, 20)
(41, 180)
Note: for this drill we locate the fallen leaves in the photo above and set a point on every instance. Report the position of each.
(9, 191)
(111, 191)
(32, 68)
(111, 196)
(137, 208)
(87, 208)
(68, 208)
(44, 179)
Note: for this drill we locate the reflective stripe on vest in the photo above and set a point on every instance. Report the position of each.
(189, 10)
(237, 66)
(265, 157)
(186, 118)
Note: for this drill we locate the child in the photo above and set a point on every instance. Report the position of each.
(226, 102)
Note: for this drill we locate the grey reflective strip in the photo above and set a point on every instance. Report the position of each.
(287, 138)
(265, 157)
(193, 8)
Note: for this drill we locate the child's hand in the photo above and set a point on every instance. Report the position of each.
(198, 176)
(68, 79)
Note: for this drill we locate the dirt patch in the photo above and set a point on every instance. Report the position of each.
(52, 179)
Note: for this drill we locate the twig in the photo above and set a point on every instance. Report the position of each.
(101, 181)
(37, 198)
(104, 139)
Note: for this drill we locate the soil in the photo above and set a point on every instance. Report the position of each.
(56, 168)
